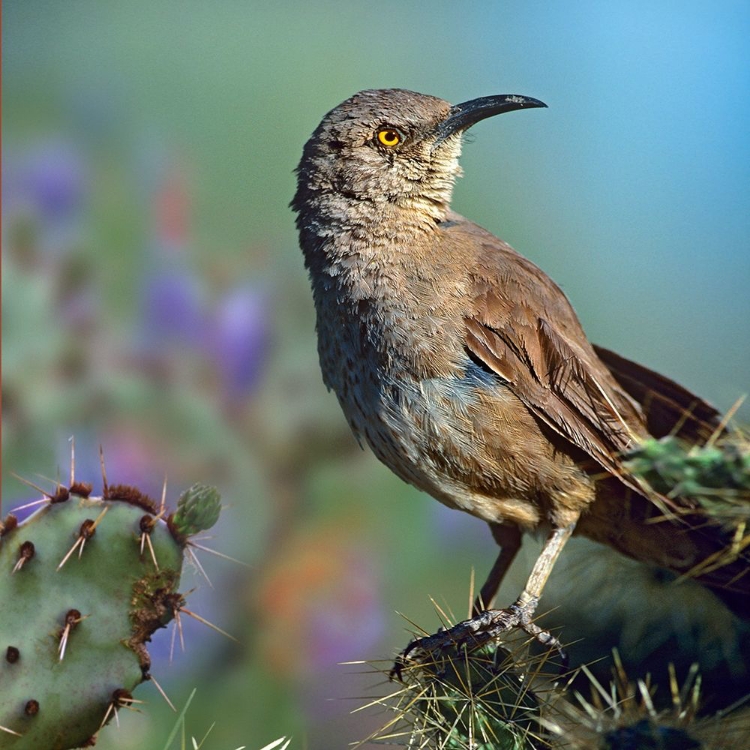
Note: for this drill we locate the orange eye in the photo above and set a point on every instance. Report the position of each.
(389, 137)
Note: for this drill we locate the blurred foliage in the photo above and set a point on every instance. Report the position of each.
(155, 302)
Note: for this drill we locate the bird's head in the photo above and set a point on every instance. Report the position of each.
(392, 146)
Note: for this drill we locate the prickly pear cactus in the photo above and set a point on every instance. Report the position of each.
(84, 583)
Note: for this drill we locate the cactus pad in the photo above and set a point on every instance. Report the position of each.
(84, 583)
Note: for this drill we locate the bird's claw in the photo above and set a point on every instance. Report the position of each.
(525, 612)
(474, 633)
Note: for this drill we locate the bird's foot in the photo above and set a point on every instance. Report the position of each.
(472, 634)
(525, 612)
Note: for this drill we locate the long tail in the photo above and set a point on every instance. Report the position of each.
(693, 544)
(669, 408)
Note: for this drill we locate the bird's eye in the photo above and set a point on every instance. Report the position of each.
(389, 137)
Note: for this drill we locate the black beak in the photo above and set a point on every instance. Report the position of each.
(463, 116)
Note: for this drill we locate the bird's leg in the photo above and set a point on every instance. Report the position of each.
(508, 538)
(488, 625)
(527, 602)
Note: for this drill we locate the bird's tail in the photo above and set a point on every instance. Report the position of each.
(669, 408)
(689, 536)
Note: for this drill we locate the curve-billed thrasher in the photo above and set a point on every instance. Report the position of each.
(463, 365)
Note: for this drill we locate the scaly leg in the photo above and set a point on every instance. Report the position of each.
(526, 604)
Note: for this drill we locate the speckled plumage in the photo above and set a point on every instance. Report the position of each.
(459, 362)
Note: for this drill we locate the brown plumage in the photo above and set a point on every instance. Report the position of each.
(462, 364)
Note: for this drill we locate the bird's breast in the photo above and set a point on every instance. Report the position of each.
(391, 340)
(418, 427)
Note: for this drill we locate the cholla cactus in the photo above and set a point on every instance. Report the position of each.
(463, 698)
(714, 476)
(499, 697)
(495, 695)
(625, 716)
(84, 583)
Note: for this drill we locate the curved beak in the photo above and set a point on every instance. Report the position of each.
(463, 116)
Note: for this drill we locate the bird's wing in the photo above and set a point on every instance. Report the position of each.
(523, 329)
(520, 326)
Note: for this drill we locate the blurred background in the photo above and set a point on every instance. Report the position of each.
(154, 300)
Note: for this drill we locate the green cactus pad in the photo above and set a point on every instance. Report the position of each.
(104, 604)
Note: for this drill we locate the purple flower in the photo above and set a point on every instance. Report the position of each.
(46, 187)
(53, 180)
(241, 337)
(173, 308)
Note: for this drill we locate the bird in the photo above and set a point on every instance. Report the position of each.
(464, 366)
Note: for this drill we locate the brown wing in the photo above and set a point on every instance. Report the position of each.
(524, 329)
